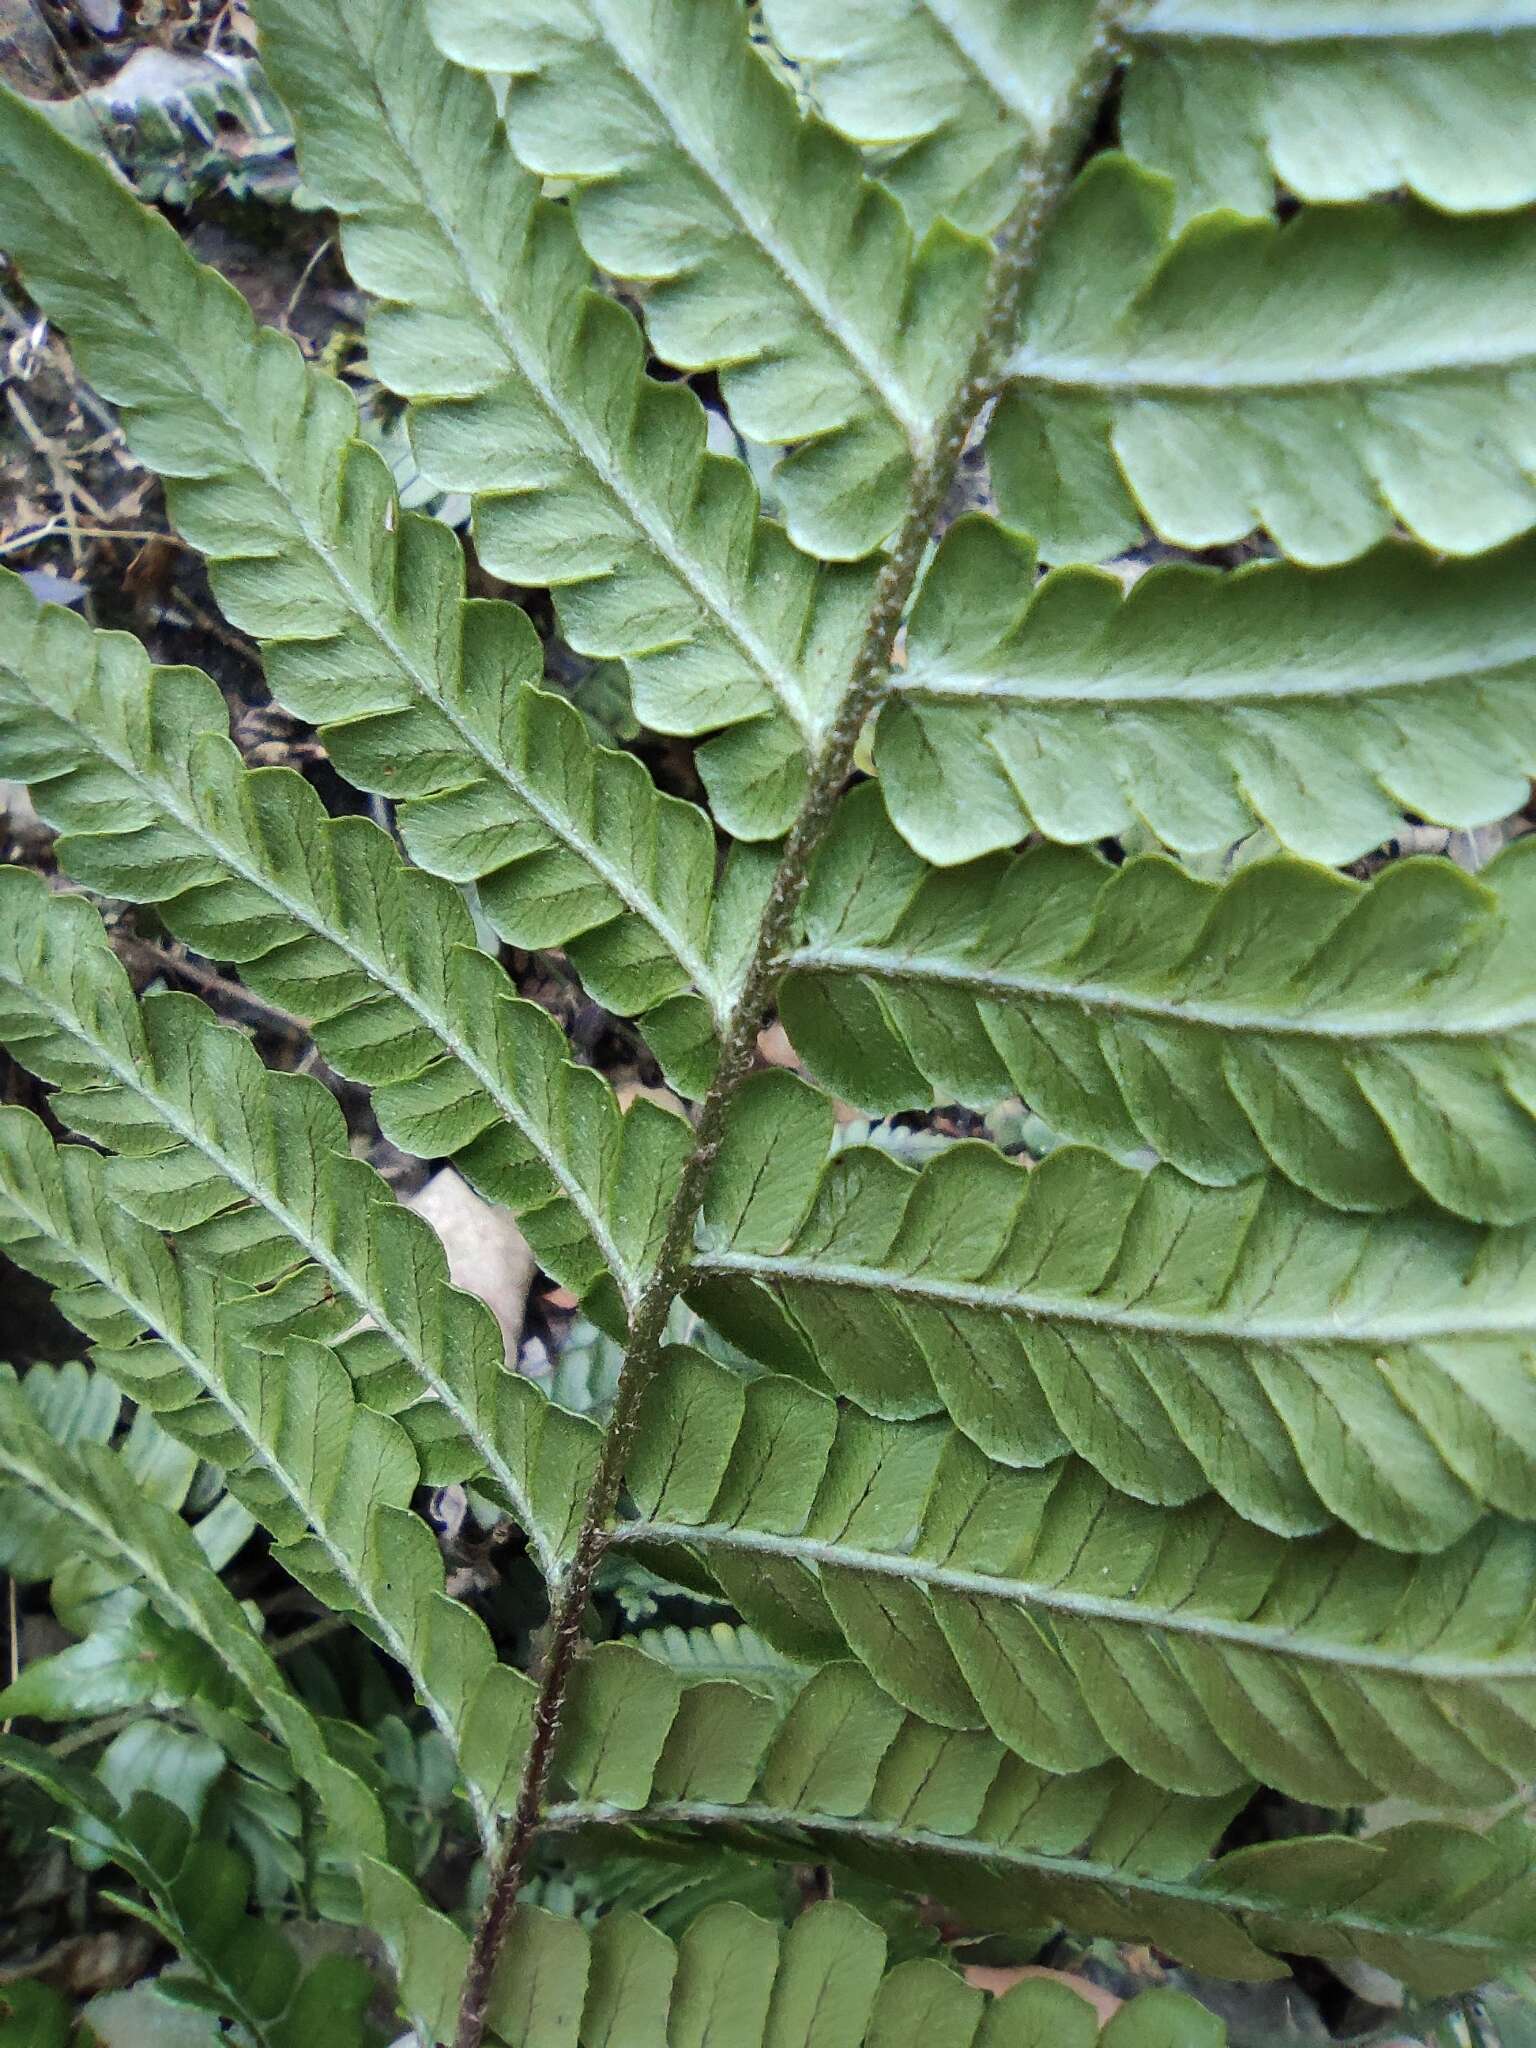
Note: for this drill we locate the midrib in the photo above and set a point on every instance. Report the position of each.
(1115, 1877)
(1116, 1000)
(1057, 1599)
(1068, 372)
(1221, 692)
(1397, 1327)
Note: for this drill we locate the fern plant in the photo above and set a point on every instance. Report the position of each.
(1060, 1506)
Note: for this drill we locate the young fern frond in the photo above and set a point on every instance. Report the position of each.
(331, 1479)
(1064, 1509)
(93, 1489)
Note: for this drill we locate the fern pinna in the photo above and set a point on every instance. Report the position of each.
(1065, 469)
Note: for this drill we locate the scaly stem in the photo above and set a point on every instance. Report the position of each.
(1017, 251)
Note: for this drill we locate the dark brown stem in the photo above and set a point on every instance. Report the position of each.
(1017, 249)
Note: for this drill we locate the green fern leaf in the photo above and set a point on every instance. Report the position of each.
(1076, 1624)
(113, 1519)
(134, 766)
(587, 475)
(331, 1479)
(847, 1777)
(722, 1651)
(242, 1968)
(765, 251)
(1323, 704)
(1319, 380)
(76, 1405)
(735, 1980)
(1374, 1042)
(433, 701)
(957, 100)
(1336, 102)
(252, 1172)
(1180, 1339)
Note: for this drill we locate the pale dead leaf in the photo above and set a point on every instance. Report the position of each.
(984, 1978)
(487, 1253)
(631, 1091)
(775, 1048)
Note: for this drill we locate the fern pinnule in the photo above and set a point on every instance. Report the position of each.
(1076, 1623)
(1320, 705)
(1379, 1366)
(1171, 384)
(1231, 101)
(1287, 1019)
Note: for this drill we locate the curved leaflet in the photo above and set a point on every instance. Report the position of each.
(1376, 1043)
(1075, 1624)
(1181, 1340)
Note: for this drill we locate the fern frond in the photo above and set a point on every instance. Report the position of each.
(134, 766)
(1319, 380)
(588, 476)
(252, 1172)
(116, 1522)
(113, 1519)
(419, 695)
(723, 1650)
(733, 1977)
(331, 1479)
(848, 1777)
(957, 100)
(242, 1967)
(1180, 1339)
(765, 251)
(1336, 102)
(1374, 1042)
(77, 1405)
(1076, 1624)
(1322, 704)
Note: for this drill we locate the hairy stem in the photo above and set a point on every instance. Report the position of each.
(1017, 250)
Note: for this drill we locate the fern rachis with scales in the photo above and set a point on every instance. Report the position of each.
(1079, 1503)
